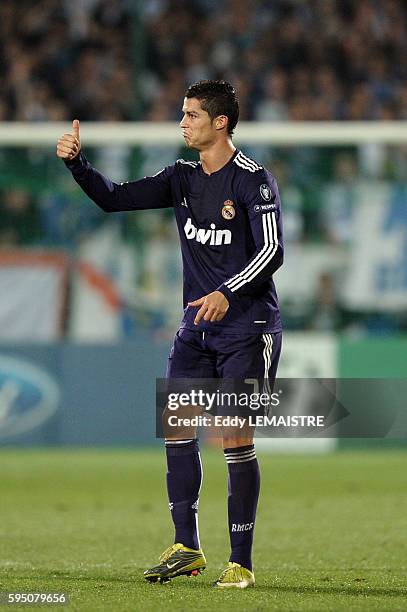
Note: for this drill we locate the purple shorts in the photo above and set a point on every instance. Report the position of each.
(239, 360)
(203, 354)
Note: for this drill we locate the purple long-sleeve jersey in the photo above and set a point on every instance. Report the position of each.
(230, 230)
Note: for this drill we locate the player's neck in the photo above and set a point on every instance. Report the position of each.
(216, 156)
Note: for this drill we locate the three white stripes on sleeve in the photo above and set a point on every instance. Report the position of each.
(262, 258)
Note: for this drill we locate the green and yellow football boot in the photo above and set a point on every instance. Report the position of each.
(235, 576)
(177, 560)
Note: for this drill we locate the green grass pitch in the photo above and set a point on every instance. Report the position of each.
(330, 532)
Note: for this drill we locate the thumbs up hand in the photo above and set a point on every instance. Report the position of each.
(69, 145)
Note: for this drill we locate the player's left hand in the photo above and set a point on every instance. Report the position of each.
(213, 307)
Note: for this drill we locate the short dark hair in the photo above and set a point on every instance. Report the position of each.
(217, 98)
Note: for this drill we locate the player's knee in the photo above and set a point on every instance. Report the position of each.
(236, 440)
(179, 424)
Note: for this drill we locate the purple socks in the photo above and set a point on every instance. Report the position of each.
(184, 477)
(244, 487)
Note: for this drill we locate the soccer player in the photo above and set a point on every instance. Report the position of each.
(227, 210)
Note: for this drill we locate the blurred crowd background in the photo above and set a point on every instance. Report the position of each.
(118, 60)
(122, 60)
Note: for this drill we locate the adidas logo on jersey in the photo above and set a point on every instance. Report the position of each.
(210, 236)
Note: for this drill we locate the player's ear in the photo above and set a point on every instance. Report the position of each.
(221, 122)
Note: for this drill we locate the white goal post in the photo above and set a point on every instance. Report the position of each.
(26, 134)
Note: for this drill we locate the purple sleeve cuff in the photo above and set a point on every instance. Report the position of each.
(77, 163)
(231, 297)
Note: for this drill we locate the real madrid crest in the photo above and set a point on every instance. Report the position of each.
(228, 210)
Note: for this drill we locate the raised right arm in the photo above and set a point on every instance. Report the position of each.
(149, 192)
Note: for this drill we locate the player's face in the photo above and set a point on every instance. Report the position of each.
(197, 128)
